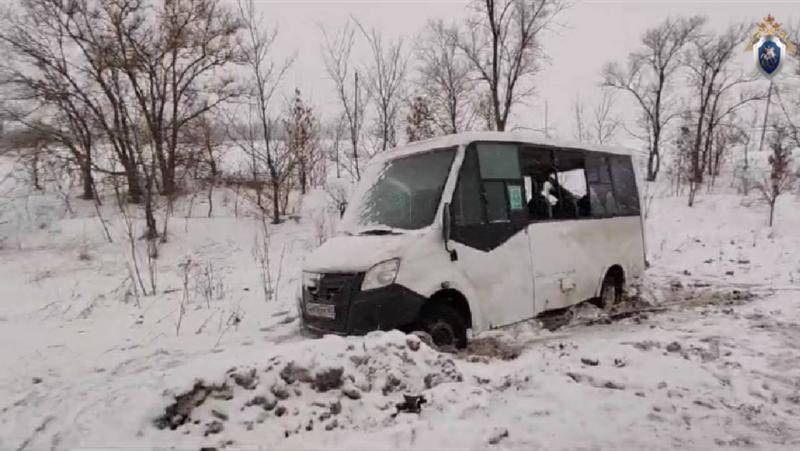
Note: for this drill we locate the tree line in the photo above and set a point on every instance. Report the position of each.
(152, 94)
(695, 98)
(125, 90)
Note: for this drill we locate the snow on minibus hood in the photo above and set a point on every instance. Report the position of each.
(355, 253)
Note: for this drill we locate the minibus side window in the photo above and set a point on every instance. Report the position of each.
(489, 188)
(466, 204)
(556, 181)
(502, 187)
(488, 204)
(494, 192)
(570, 187)
(537, 167)
(624, 185)
(601, 191)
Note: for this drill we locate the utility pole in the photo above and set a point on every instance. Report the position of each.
(355, 127)
(766, 117)
(546, 123)
(763, 133)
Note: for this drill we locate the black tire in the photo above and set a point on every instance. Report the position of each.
(444, 324)
(610, 292)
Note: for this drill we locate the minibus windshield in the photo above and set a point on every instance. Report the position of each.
(398, 194)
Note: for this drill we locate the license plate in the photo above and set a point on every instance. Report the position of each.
(321, 310)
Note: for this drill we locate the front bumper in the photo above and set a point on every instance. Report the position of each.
(358, 312)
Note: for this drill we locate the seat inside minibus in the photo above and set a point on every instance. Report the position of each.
(555, 183)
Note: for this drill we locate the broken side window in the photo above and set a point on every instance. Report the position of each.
(601, 190)
(537, 169)
(571, 188)
(624, 180)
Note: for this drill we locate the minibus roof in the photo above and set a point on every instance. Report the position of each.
(469, 137)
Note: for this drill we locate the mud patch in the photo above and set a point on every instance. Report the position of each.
(691, 293)
(179, 412)
(482, 348)
(640, 304)
(595, 382)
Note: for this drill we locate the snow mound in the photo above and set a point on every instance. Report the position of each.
(331, 383)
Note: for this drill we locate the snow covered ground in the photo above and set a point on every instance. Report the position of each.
(711, 361)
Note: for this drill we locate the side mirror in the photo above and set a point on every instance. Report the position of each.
(447, 224)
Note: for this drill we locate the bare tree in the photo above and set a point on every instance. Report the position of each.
(503, 44)
(386, 77)
(265, 75)
(444, 77)
(134, 267)
(581, 132)
(62, 133)
(780, 177)
(708, 60)
(335, 133)
(128, 70)
(170, 63)
(85, 61)
(743, 171)
(137, 141)
(337, 53)
(302, 134)
(102, 65)
(604, 124)
(338, 194)
(791, 121)
(419, 120)
(679, 170)
(726, 136)
(39, 94)
(601, 126)
(261, 247)
(31, 146)
(206, 136)
(647, 78)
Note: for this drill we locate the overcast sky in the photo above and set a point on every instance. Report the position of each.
(593, 33)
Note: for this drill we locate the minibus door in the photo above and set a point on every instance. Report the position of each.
(489, 232)
(558, 236)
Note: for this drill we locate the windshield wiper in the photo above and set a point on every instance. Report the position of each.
(379, 232)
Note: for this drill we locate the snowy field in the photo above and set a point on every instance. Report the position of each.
(709, 357)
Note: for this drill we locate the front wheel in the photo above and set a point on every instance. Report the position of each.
(445, 325)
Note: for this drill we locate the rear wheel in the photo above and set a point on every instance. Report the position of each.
(444, 324)
(611, 291)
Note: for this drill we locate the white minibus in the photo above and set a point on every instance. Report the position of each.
(468, 232)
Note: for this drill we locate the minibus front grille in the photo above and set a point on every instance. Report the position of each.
(335, 289)
(332, 287)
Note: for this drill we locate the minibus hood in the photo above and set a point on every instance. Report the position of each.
(356, 253)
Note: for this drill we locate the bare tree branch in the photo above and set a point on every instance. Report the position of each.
(647, 78)
(444, 77)
(502, 43)
(336, 53)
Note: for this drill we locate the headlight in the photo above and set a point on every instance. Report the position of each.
(381, 275)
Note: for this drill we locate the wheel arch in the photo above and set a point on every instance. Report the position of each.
(455, 298)
(616, 271)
